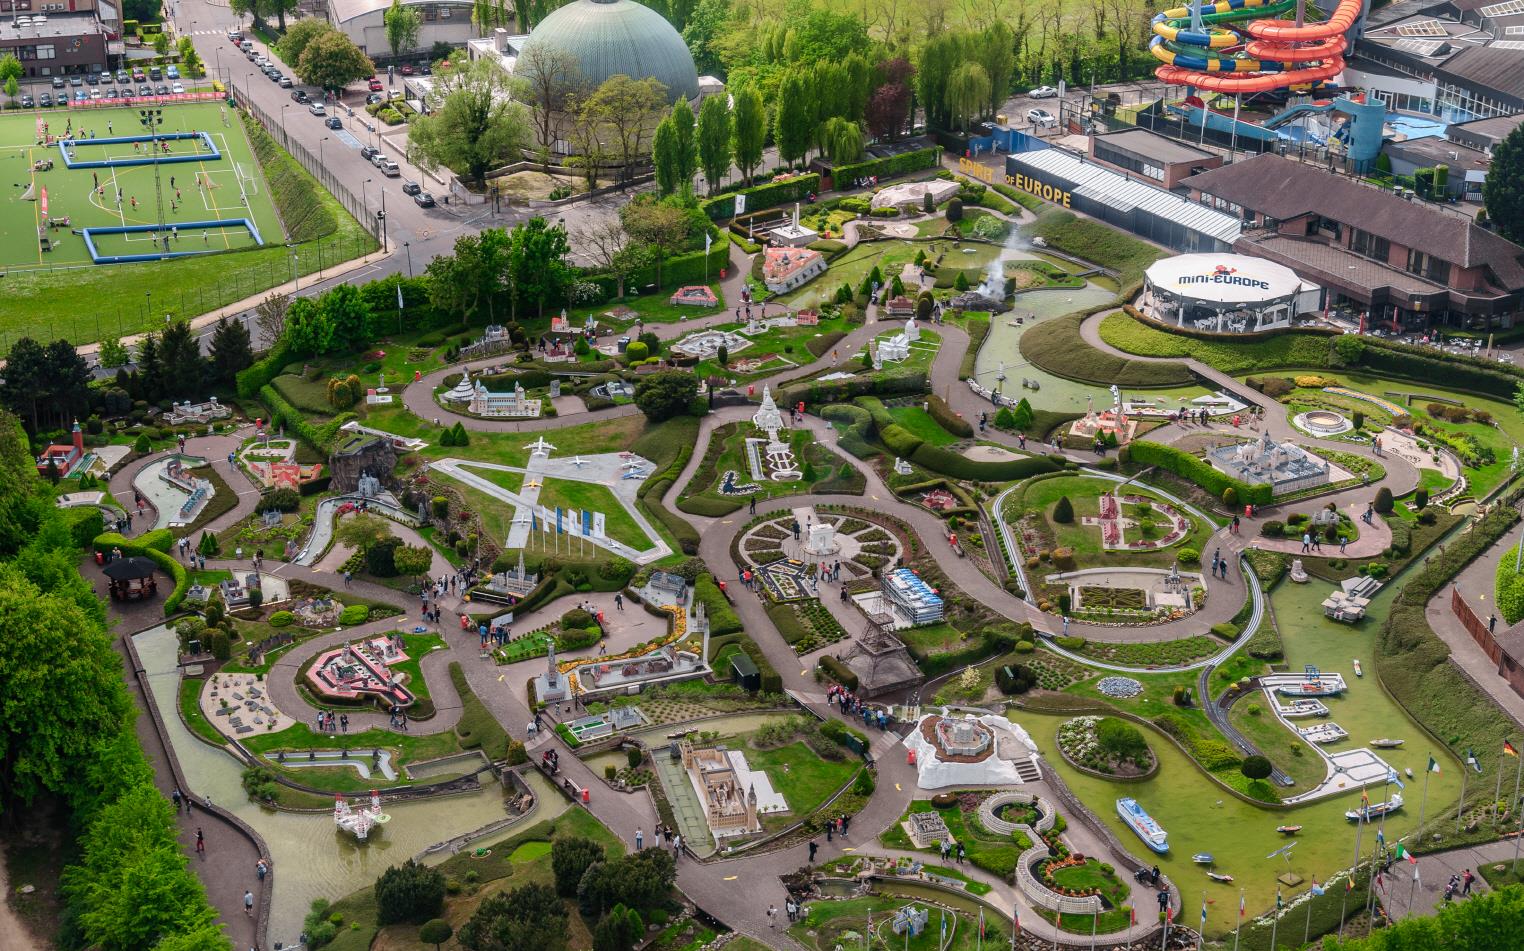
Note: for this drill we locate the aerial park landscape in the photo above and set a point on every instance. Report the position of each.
(964, 533)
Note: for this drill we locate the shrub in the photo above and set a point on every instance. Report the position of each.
(282, 500)
(1383, 503)
(1189, 467)
(354, 614)
(1189, 556)
(955, 210)
(409, 893)
(1420, 498)
(1255, 767)
(435, 931)
(569, 861)
(281, 619)
(141, 445)
(1063, 510)
(1273, 529)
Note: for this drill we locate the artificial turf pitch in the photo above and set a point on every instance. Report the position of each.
(233, 186)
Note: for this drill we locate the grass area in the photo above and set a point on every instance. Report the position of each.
(572, 496)
(826, 923)
(1107, 922)
(932, 638)
(61, 294)
(498, 872)
(1056, 346)
(190, 711)
(417, 646)
(996, 854)
(652, 308)
(1040, 496)
(798, 345)
(1283, 748)
(1095, 242)
(1153, 654)
(1284, 350)
(511, 449)
(209, 578)
(1092, 875)
(726, 452)
(922, 425)
(805, 778)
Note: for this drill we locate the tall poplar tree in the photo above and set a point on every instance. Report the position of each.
(713, 140)
(749, 130)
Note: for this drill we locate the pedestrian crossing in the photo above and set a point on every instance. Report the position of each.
(204, 32)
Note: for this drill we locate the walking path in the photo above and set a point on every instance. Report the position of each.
(1402, 896)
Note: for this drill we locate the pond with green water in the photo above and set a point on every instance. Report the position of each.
(1201, 816)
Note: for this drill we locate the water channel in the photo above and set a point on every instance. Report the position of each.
(1200, 816)
(311, 858)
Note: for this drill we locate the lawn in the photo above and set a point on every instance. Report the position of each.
(727, 453)
(931, 638)
(651, 308)
(1291, 753)
(827, 922)
(856, 264)
(1285, 350)
(1041, 495)
(996, 854)
(1055, 346)
(798, 345)
(1095, 242)
(922, 425)
(805, 778)
(417, 646)
(1156, 654)
(60, 293)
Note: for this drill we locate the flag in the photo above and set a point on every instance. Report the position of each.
(1471, 760)
(944, 928)
(1132, 914)
(1403, 853)
(1169, 914)
(1381, 838)
(1415, 870)
(1508, 749)
(1240, 906)
(1380, 881)
(1279, 904)
(1318, 889)
(707, 242)
(560, 521)
(44, 203)
(1015, 922)
(1349, 883)
(1203, 912)
(981, 922)
(1365, 799)
(399, 295)
(1433, 765)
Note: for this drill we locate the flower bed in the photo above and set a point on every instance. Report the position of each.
(1106, 746)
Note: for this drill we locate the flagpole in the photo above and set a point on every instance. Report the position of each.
(1239, 927)
(1370, 885)
(1095, 918)
(1307, 928)
(1424, 802)
(1460, 807)
(1276, 921)
(1363, 815)
(1515, 800)
(1412, 888)
(1497, 792)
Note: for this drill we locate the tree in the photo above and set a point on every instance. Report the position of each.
(332, 60)
(1023, 416)
(841, 140)
(549, 75)
(1255, 767)
(473, 281)
(664, 157)
(641, 880)
(409, 892)
(530, 916)
(713, 141)
(605, 240)
(794, 119)
(402, 26)
(161, 43)
(538, 271)
(12, 88)
(231, 351)
(660, 225)
(967, 93)
(47, 385)
(996, 52)
(569, 860)
(113, 354)
(619, 930)
(294, 43)
(270, 314)
(687, 149)
(360, 532)
(1063, 510)
(10, 69)
(190, 60)
(1503, 190)
(435, 931)
(748, 130)
(350, 316)
(412, 561)
(473, 124)
(1122, 740)
(1383, 501)
(183, 370)
(665, 394)
(629, 110)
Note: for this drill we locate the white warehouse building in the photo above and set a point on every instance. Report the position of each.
(363, 22)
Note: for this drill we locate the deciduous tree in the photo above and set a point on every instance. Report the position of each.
(332, 60)
(294, 43)
(713, 141)
(1503, 191)
(473, 124)
(748, 130)
(402, 26)
(628, 109)
(665, 394)
(794, 120)
(550, 76)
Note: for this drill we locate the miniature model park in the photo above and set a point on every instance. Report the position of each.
(768, 479)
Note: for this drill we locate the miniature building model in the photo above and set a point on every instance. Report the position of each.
(196, 412)
(1285, 467)
(65, 458)
(693, 295)
(897, 347)
(793, 234)
(786, 268)
(734, 797)
(515, 404)
(1113, 422)
(900, 306)
(357, 455)
(913, 599)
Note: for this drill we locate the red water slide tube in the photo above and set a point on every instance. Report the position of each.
(1321, 43)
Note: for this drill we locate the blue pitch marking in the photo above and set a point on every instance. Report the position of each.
(182, 227)
(212, 154)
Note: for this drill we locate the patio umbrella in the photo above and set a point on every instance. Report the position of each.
(129, 569)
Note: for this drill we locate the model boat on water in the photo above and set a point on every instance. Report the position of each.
(1202, 858)
(1386, 743)
(1375, 810)
(1152, 834)
(1358, 671)
(1288, 830)
(1219, 877)
(1311, 688)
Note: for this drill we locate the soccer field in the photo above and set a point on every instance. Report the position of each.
(201, 188)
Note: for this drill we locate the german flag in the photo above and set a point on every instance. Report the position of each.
(1508, 748)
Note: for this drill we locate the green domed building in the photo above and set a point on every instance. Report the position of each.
(614, 37)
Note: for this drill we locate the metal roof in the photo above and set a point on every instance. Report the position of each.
(1124, 194)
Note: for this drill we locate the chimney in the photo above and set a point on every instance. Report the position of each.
(79, 438)
(500, 40)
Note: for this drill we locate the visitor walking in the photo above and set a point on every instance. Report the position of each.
(200, 843)
(640, 839)
(814, 847)
(772, 915)
(248, 903)
(677, 846)
(174, 797)
(261, 869)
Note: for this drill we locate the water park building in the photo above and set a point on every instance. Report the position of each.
(1157, 159)
(1226, 293)
(1460, 59)
(1403, 264)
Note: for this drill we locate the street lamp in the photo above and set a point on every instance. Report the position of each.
(363, 205)
(381, 224)
(283, 107)
(408, 247)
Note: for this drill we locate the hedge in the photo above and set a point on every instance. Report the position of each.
(261, 372)
(814, 392)
(859, 426)
(1185, 465)
(940, 460)
(318, 437)
(900, 164)
(477, 727)
(85, 523)
(759, 197)
(947, 418)
(1422, 363)
(1251, 336)
(978, 328)
(838, 671)
(677, 270)
(990, 641)
(722, 617)
(154, 546)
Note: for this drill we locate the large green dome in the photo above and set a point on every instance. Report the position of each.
(614, 37)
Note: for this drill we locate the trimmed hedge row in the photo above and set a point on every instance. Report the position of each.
(1185, 465)
(947, 418)
(978, 329)
(859, 425)
(261, 372)
(722, 617)
(838, 671)
(900, 164)
(318, 437)
(905, 444)
(1420, 363)
(814, 392)
(989, 642)
(85, 522)
(154, 546)
(759, 197)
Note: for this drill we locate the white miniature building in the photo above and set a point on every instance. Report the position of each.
(793, 234)
(1287, 468)
(514, 404)
(461, 392)
(897, 348)
(786, 268)
(768, 418)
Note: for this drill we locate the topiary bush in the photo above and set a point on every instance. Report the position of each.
(1063, 510)
(354, 614)
(282, 619)
(1383, 503)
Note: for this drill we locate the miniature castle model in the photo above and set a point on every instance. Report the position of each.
(734, 796)
(1287, 468)
(515, 404)
(786, 268)
(358, 822)
(188, 412)
(1113, 421)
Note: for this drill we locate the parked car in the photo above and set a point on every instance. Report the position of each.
(145, 90)
(172, 71)
(334, 122)
(58, 82)
(177, 88)
(375, 85)
(76, 80)
(155, 73)
(26, 102)
(407, 69)
(138, 75)
(374, 98)
(95, 94)
(300, 95)
(1043, 92)
(161, 90)
(285, 82)
(378, 158)
(80, 95)
(369, 152)
(317, 109)
(410, 188)
(93, 79)
(1041, 117)
(423, 200)
(389, 168)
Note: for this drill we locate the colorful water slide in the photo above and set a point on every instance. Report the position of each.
(1278, 54)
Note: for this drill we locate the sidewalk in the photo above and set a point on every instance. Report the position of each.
(1475, 584)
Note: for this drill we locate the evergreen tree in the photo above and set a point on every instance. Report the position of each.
(231, 350)
(713, 140)
(1063, 510)
(794, 120)
(748, 130)
(664, 157)
(1503, 191)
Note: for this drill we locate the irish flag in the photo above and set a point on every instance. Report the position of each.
(1433, 765)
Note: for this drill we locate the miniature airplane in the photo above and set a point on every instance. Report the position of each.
(533, 484)
(540, 447)
(631, 464)
(579, 462)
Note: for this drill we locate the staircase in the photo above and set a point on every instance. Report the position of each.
(1028, 770)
